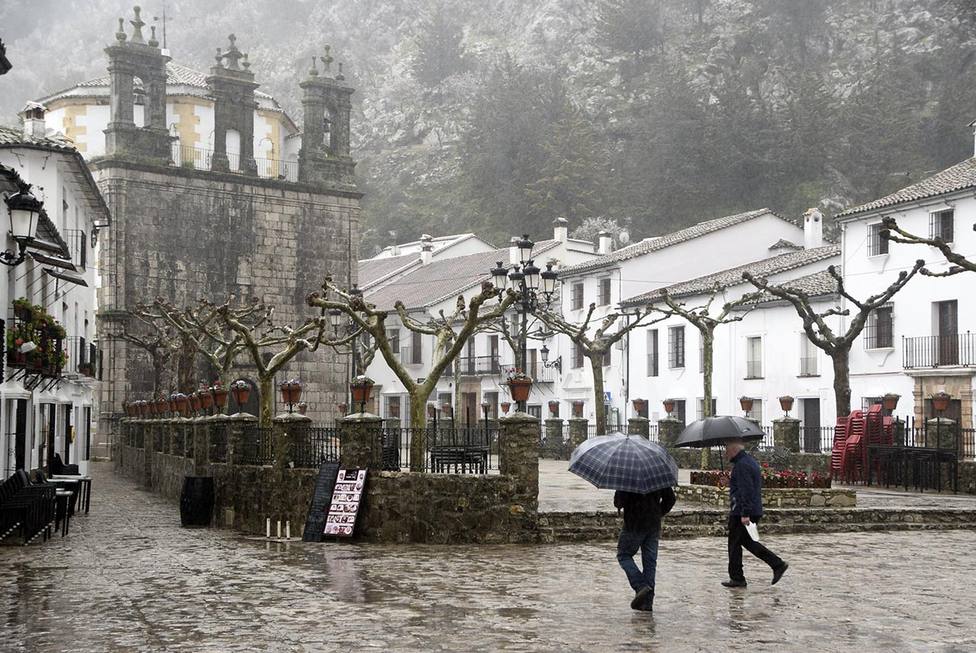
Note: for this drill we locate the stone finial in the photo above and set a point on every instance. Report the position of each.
(137, 26)
(120, 35)
(327, 59)
(152, 36)
(233, 55)
(340, 76)
(313, 71)
(245, 64)
(219, 58)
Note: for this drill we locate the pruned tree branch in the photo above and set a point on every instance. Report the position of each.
(891, 231)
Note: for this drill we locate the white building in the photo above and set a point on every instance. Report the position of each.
(648, 265)
(46, 404)
(762, 355)
(925, 341)
(431, 283)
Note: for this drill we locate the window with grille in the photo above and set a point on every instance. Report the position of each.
(880, 330)
(876, 244)
(940, 225)
(754, 357)
(393, 407)
(577, 296)
(604, 291)
(756, 412)
(676, 347)
(577, 356)
(701, 408)
(808, 357)
(607, 358)
(393, 337)
(416, 348)
(652, 353)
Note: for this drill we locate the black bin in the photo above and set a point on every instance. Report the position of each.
(197, 501)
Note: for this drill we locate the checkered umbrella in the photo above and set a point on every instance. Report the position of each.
(621, 462)
(713, 431)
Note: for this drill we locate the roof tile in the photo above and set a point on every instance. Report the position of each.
(959, 177)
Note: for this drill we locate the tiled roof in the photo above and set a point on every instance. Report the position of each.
(782, 243)
(654, 244)
(818, 284)
(442, 278)
(16, 136)
(373, 269)
(959, 177)
(733, 276)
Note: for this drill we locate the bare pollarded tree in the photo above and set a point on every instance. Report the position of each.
(596, 346)
(158, 341)
(450, 332)
(835, 344)
(960, 263)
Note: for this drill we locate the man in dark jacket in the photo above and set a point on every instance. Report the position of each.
(745, 495)
(642, 528)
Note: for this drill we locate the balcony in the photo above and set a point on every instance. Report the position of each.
(957, 350)
(198, 158)
(479, 365)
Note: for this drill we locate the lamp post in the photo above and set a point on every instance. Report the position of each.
(557, 362)
(530, 285)
(24, 210)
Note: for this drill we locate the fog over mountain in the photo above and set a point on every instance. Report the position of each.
(496, 116)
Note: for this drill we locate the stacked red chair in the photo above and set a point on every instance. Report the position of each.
(837, 452)
(852, 463)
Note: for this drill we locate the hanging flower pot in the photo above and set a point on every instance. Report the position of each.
(746, 403)
(23, 310)
(194, 400)
(519, 387)
(241, 391)
(361, 388)
(291, 391)
(940, 401)
(554, 408)
(669, 406)
(578, 408)
(786, 403)
(219, 393)
(640, 406)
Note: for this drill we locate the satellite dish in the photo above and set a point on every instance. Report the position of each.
(624, 237)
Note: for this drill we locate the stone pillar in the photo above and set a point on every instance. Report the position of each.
(639, 426)
(668, 430)
(290, 436)
(235, 435)
(361, 441)
(554, 430)
(577, 431)
(218, 439)
(940, 432)
(518, 456)
(786, 433)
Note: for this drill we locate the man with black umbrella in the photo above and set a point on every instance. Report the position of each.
(745, 494)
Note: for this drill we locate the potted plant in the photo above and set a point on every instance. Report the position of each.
(578, 408)
(23, 309)
(640, 406)
(746, 404)
(669, 406)
(554, 408)
(519, 385)
(786, 403)
(361, 387)
(219, 393)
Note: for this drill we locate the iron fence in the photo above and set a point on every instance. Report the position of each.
(219, 436)
(939, 351)
(199, 158)
(257, 446)
(315, 446)
(464, 450)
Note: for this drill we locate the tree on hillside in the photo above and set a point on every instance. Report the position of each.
(595, 345)
(632, 27)
(449, 340)
(837, 345)
(440, 53)
(959, 263)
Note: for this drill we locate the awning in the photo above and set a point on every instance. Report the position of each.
(65, 277)
(50, 260)
(46, 246)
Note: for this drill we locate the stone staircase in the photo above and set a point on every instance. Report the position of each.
(596, 526)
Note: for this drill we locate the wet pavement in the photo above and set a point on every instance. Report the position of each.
(128, 578)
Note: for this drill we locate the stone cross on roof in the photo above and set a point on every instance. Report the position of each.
(233, 55)
(327, 59)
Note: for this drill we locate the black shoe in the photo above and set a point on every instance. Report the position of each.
(734, 583)
(642, 594)
(779, 571)
(648, 604)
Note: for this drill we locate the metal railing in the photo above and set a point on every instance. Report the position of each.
(479, 365)
(447, 450)
(316, 446)
(199, 158)
(257, 446)
(939, 351)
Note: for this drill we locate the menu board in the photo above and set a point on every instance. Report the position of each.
(318, 509)
(348, 492)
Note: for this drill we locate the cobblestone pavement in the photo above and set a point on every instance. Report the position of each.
(562, 491)
(127, 578)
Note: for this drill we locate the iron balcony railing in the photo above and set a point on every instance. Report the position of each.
(479, 365)
(199, 158)
(939, 351)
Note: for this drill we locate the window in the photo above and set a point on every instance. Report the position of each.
(679, 410)
(491, 398)
(534, 410)
(416, 347)
(867, 402)
(808, 357)
(577, 296)
(604, 291)
(393, 337)
(676, 347)
(607, 358)
(652, 353)
(756, 412)
(701, 408)
(880, 331)
(577, 356)
(393, 407)
(876, 244)
(940, 225)
(754, 357)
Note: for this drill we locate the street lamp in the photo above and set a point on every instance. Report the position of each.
(24, 210)
(557, 362)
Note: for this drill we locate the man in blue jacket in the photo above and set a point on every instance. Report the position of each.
(745, 494)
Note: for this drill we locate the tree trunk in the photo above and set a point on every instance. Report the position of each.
(842, 381)
(599, 409)
(158, 366)
(418, 422)
(708, 342)
(267, 399)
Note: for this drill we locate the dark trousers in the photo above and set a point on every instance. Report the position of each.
(739, 539)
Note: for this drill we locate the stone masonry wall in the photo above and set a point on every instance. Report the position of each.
(186, 234)
(773, 497)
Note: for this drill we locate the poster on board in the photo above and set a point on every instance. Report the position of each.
(346, 497)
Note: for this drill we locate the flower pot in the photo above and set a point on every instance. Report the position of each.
(554, 408)
(505, 406)
(640, 407)
(669, 406)
(940, 401)
(786, 403)
(291, 391)
(578, 409)
(746, 403)
(519, 388)
(242, 392)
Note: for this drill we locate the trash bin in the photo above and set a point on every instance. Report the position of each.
(197, 501)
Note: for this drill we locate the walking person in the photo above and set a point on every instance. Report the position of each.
(641, 531)
(745, 494)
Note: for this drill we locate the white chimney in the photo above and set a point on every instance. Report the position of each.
(394, 250)
(812, 228)
(426, 249)
(560, 229)
(514, 257)
(34, 124)
(605, 243)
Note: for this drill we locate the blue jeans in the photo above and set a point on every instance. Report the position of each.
(627, 546)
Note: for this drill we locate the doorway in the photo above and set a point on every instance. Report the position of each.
(68, 408)
(20, 434)
(947, 315)
(811, 425)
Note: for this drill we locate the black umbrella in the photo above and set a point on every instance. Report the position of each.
(713, 431)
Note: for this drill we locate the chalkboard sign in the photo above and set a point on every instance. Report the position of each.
(321, 499)
(346, 497)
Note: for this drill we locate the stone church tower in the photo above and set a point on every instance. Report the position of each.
(190, 222)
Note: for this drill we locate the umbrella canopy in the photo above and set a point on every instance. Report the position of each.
(621, 462)
(713, 431)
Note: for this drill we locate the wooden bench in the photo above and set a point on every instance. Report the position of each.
(462, 459)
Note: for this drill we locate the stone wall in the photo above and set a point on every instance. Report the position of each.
(189, 234)
(803, 462)
(773, 497)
